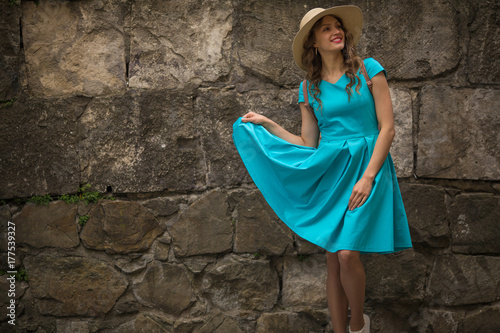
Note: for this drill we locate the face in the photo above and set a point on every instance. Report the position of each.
(330, 36)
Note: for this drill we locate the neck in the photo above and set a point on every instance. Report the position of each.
(332, 64)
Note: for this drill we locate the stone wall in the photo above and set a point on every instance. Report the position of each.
(137, 98)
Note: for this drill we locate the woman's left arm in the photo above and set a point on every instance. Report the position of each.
(385, 117)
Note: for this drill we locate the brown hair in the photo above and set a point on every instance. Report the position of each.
(313, 63)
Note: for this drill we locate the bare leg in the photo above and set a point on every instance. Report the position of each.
(337, 299)
(352, 277)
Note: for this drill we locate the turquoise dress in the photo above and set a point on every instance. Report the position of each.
(309, 188)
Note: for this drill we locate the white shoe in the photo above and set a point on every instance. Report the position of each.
(366, 327)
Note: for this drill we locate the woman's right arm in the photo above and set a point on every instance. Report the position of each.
(309, 132)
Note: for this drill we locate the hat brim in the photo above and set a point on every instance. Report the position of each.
(352, 20)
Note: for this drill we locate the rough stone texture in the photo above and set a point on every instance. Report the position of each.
(427, 214)
(174, 45)
(138, 99)
(162, 206)
(72, 326)
(441, 321)
(258, 229)
(395, 277)
(402, 145)
(219, 324)
(484, 320)
(10, 47)
(457, 138)
(235, 283)
(141, 143)
(484, 42)
(216, 111)
(145, 322)
(474, 223)
(304, 247)
(53, 225)
(289, 322)
(120, 227)
(172, 280)
(264, 40)
(74, 47)
(459, 280)
(73, 286)
(204, 227)
(304, 281)
(391, 39)
(38, 153)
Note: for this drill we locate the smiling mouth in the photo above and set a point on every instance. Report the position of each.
(336, 40)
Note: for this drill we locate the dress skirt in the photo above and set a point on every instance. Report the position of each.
(309, 189)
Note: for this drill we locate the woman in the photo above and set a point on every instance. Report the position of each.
(335, 184)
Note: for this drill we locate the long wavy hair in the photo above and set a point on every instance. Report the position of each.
(313, 63)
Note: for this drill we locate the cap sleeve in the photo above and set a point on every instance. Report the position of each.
(373, 67)
(301, 92)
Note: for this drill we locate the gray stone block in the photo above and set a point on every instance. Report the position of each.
(236, 283)
(474, 224)
(203, 227)
(427, 214)
(411, 39)
(460, 280)
(53, 225)
(74, 48)
(73, 286)
(120, 227)
(258, 229)
(458, 136)
(174, 45)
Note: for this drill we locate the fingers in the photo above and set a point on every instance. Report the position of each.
(356, 200)
(248, 116)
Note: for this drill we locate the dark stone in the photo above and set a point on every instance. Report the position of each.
(399, 277)
(461, 280)
(204, 227)
(486, 320)
(304, 281)
(219, 324)
(216, 112)
(474, 223)
(235, 283)
(265, 40)
(53, 225)
(144, 142)
(289, 322)
(390, 37)
(483, 49)
(39, 154)
(10, 49)
(120, 227)
(427, 214)
(173, 280)
(462, 144)
(73, 286)
(258, 229)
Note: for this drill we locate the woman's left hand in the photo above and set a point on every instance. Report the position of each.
(360, 193)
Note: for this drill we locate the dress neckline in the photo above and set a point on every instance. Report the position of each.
(340, 78)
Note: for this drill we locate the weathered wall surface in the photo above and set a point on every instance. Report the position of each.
(138, 98)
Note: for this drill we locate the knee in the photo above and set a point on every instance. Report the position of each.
(348, 259)
(332, 263)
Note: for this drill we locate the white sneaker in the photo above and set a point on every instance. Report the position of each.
(366, 327)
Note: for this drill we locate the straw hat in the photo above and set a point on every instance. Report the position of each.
(352, 20)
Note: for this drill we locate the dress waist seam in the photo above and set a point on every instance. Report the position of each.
(348, 137)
